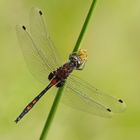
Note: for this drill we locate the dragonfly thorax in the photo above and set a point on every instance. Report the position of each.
(63, 72)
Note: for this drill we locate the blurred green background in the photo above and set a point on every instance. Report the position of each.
(113, 44)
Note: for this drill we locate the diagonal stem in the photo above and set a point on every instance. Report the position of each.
(60, 90)
(83, 30)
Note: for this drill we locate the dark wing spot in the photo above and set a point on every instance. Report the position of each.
(121, 101)
(40, 12)
(24, 28)
(108, 109)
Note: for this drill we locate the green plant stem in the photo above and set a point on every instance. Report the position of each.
(83, 30)
(60, 90)
(51, 114)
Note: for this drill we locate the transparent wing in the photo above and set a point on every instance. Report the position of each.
(40, 35)
(37, 47)
(83, 96)
(35, 58)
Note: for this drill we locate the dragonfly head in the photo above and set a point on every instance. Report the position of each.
(78, 58)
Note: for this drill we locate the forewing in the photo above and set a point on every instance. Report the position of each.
(81, 95)
(37, 47)
(41, 37)
(35, 58)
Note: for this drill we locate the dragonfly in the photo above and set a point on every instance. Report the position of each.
(44, 63)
